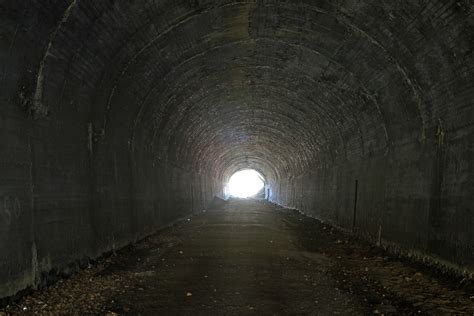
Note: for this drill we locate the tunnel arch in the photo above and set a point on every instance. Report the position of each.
(132, 108)
(334, 108)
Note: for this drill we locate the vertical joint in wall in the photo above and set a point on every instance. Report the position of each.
(90, 139)
(354, 215)
(440, 133)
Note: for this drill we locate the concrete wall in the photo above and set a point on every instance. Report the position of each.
(65, 195)
(61, 204)
(417, 200)
(415, 170)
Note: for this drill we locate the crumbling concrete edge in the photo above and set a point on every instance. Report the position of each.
(38, 108)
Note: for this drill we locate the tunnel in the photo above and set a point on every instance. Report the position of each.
(120, 117)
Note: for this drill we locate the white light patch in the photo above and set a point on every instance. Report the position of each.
(245, 183)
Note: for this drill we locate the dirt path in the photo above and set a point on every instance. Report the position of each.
(250, 258)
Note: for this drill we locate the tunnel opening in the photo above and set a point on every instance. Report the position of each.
(245, 184)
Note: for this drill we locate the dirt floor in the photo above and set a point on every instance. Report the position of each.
(251, 258)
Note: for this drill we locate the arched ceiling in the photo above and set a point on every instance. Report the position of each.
(279, 86)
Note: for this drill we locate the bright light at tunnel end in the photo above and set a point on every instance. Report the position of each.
(245, 184)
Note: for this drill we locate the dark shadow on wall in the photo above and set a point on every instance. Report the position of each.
(217, 203)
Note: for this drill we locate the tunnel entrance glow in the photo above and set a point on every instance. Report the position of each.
(245, 184)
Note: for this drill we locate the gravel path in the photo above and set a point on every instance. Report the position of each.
(250, 258)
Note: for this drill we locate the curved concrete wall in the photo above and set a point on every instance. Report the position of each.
(118, 117)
